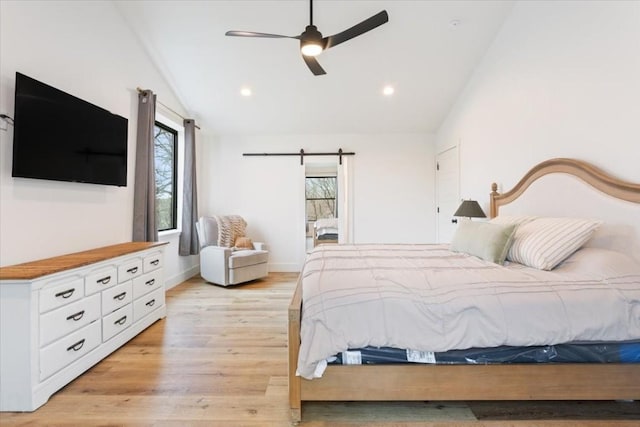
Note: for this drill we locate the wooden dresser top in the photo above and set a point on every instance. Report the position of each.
(35, 269)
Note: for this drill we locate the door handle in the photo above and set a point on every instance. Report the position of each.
(454, 221)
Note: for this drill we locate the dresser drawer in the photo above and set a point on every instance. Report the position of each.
(100, 279)
(129, 269)
(68, 349)
(152, 262)
(116, 297)
(147, 283)
(147, 303)
(71, 317)
(117, 322)
(61, 292)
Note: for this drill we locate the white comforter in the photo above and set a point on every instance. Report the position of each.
(424, 297)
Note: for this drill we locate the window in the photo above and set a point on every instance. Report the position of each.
(320, 194)
(166, 162)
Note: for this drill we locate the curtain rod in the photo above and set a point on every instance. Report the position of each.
(140, 90)
(340, 153)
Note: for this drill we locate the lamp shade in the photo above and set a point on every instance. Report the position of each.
(470, 209)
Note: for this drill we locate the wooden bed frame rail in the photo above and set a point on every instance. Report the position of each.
(455, 382)
(417, 382)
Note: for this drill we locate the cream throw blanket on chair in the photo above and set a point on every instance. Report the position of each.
(230, 227)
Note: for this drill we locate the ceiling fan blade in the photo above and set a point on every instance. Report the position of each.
(358, 29)
(313, 65)
(254, 34)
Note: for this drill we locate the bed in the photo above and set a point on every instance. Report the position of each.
(325, 230)
(551, 381)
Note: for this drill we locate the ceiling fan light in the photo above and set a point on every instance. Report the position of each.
(311, 48)
(311, 43)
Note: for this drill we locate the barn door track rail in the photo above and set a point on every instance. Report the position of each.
(302, 153)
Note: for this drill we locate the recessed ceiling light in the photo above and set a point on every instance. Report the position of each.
(245, 91)
(388, 90)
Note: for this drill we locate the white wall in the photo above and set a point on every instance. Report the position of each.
(562, 79)
(393, 188)
(83, 48)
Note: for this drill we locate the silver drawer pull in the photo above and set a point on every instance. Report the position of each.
(76, 317)
(151, 303)
(155, 262)
(120, 296)
(77, 346)
(132, 270)
(150, 282)
(120, 321)
(104, 280)
(65, 294)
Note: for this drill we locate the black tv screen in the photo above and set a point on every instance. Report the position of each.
(63, 138)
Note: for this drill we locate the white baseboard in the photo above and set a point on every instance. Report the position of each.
(195, 270)
(284, 268)
(182, 276)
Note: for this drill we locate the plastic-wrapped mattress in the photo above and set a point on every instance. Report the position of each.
(329, 236)
(428, 298)
(616, 352)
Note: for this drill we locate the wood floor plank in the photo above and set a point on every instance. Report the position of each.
(219, 359)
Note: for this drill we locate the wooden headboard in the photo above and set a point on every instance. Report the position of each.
(590, 174)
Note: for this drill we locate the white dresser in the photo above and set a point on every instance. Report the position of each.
(60, 316)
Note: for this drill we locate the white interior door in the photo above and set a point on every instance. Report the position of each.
(447, 192)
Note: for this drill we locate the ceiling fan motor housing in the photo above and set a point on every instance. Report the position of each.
(311, 36)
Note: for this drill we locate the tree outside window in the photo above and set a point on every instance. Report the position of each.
(165, 146)
(321, 197)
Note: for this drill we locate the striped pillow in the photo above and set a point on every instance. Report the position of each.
(513, 219)
(546, 242)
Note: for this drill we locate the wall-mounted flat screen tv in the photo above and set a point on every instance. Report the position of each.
(63, 138)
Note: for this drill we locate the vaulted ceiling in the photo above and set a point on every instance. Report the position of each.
(427, 52)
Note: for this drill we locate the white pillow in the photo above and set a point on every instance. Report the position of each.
(546, 242)
(600, 263)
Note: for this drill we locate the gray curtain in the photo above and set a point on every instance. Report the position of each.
(144, 196)
(188, 244)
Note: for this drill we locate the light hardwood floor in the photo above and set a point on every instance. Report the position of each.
(220, 359)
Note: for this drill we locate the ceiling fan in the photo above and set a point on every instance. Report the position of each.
(311, 41)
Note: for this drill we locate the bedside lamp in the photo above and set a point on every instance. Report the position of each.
(470, 209)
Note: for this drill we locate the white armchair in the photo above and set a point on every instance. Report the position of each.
(228, 265)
